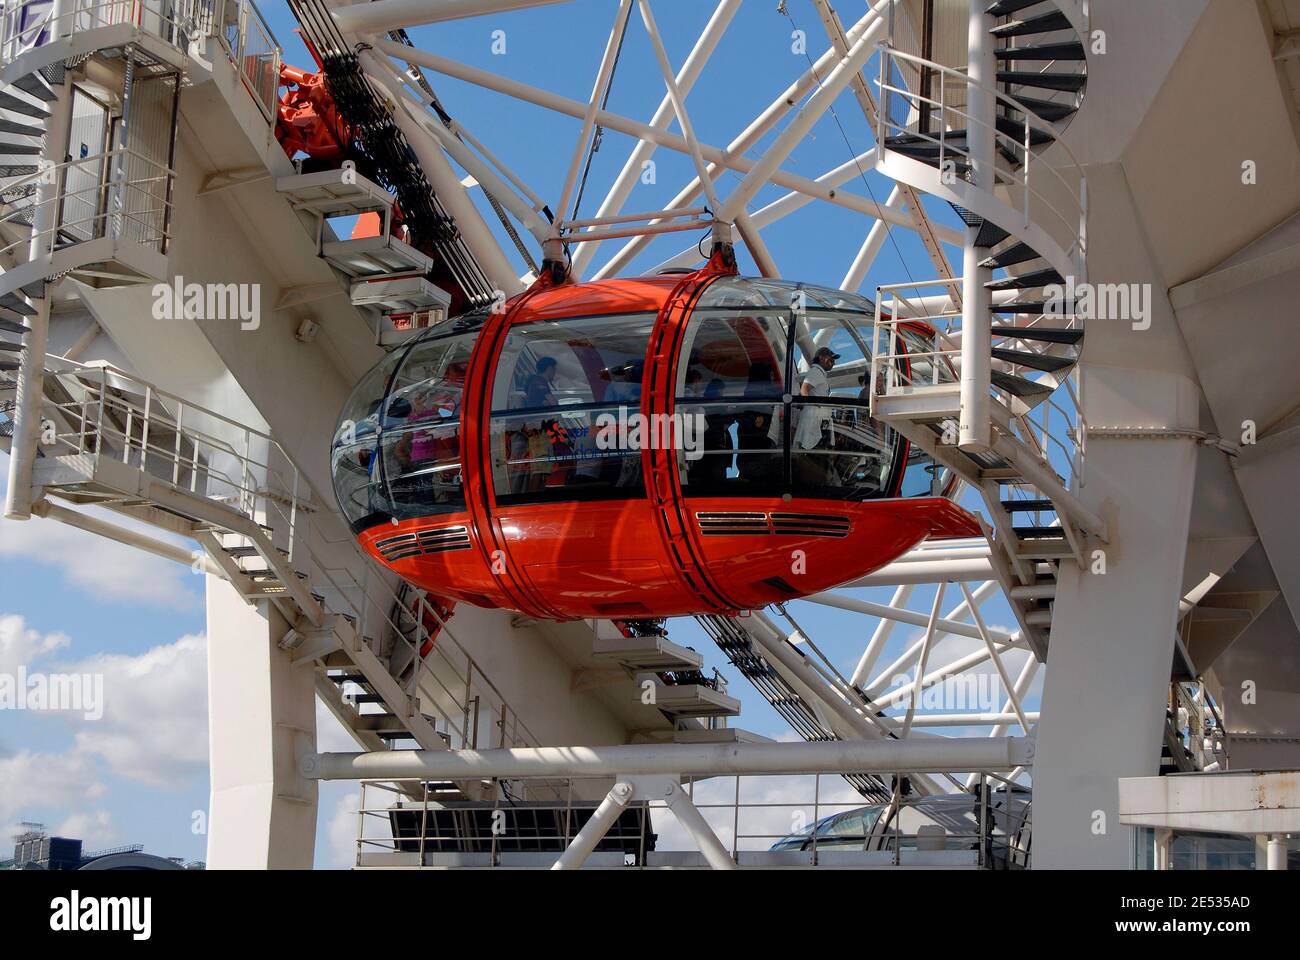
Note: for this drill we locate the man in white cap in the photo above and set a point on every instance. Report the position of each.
(815, 421)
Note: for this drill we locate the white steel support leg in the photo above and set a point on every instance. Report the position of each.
(31, 372)
(575, 855)
(693, 822)
(764, 122)
(919, 680)
(881, 637)
(976, 349)
(976, 320)
(261, 719)
(589, 118)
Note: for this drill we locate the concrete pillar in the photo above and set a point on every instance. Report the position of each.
(261, 714)
(1164, 849)
(1112, 641)
(1277, 852)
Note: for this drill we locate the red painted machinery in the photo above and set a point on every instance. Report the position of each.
(634, 448)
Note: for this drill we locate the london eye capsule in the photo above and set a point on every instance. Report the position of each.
(662, 446)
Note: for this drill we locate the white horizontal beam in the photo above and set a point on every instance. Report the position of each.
(968, 719)
(935, 754)
(927, 571)
(131, 538)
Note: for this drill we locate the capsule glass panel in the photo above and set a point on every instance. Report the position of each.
(421, 438)
(731, 383)
(564, 399)
(354, 454)
(396, 452)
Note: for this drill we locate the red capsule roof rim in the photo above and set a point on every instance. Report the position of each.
(599, 297)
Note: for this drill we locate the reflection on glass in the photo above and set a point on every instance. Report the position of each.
(785, 410)
(571, 362)
(732, 356)
(354, 454)
(560, 455)
(833, 356)
(421, 435)
(556, 383)
(840, 452)
(396, 452)
(742, 449)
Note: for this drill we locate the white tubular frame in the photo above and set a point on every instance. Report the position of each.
(685, 80)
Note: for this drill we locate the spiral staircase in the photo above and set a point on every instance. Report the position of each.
(988, 143)
(24, 108)
(102, 217)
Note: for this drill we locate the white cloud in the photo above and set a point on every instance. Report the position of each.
(341, 852)
(332, 736)
(94, 829)
(155, 723)
(21, 647)
(107, 569)
(44, 781)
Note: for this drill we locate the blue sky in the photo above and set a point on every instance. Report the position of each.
(69, 600)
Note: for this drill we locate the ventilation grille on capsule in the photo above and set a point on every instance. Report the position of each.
(408, 545)
(737, 524)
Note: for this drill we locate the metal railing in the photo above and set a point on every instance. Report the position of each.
(252, 48)
(762, 820)
(119, 194)
(99, 412)
(32, 23)
(1065, 206)
(238, 24)
(1054, 427)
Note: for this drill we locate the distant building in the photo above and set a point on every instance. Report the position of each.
(35, 849)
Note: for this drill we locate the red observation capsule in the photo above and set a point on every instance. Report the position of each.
(663, 446)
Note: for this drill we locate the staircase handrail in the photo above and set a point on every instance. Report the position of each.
(288, 498)
(1077, 231)
(166, 21)
(110, 176)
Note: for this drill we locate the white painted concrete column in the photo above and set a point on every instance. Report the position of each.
(1108, 664)
(1164, 848)
(1112, 640)
(1277, 852)
(261, 715)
